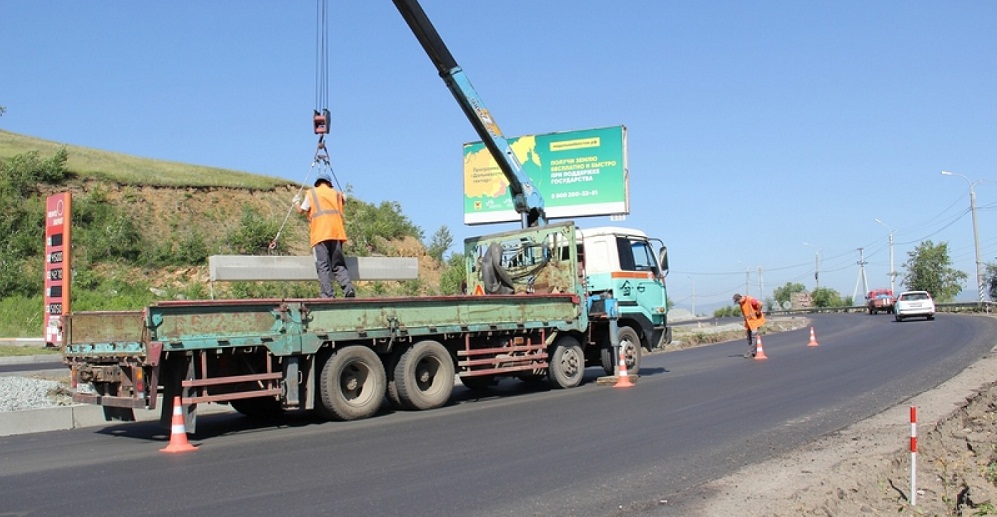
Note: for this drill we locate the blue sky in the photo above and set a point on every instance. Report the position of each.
(753, 127)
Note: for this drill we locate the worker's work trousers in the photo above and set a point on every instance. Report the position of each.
(753, 341)
(329, 262)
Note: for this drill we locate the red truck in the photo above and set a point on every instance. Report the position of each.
(880, 300)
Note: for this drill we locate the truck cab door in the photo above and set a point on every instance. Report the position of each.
(642, 280)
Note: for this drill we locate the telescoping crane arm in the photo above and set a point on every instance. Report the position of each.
(527, 199)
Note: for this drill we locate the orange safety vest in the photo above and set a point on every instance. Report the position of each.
(749, 308)
(325, 215)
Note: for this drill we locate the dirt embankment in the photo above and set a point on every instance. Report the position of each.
(865, 469)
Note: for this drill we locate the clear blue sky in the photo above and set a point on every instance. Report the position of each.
(754, 127)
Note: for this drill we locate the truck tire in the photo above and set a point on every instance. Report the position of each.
(389, 369)
(352, 384)
(493, 275)
(567, 363)
(630, 344)
(424, 376)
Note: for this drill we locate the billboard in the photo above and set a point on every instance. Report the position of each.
(578, 173)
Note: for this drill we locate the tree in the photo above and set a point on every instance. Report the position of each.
(785, 293)
(990, 280)
(453, 279)
(826, 297)
(440, 243)
(929, 268)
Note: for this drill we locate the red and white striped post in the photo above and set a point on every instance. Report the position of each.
(913, 455)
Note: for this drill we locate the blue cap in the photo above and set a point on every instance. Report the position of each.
(323, 176)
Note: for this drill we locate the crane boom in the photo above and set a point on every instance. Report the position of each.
(526, 198)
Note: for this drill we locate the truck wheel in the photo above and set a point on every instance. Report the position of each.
(389, 369)
(424, 376)
(352, 383)
(607, 361)
(567, 363)
(630, 344)
(260, 408)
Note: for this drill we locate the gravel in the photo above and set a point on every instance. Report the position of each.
(20, 393)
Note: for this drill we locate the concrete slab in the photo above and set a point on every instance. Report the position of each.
(230, 268)
(23, 341)
(35, 420)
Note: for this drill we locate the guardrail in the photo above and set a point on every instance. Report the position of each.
(985, 307)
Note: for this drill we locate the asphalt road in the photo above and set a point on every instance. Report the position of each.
(694, 415)
(46, 366)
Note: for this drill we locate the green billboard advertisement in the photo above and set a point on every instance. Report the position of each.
(578, 173)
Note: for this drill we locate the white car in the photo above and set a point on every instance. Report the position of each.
(914, 304)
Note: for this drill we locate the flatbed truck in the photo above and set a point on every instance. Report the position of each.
(543, 302)
(343, 357)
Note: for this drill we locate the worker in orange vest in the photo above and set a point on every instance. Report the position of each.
(754, 318)
(327, 233)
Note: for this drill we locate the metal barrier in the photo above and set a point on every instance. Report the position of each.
(985, 307)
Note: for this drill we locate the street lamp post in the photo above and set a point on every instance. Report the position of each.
(893, 273)
(976, 231)
(816, 265)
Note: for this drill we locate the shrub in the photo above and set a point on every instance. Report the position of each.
(369, 227)
(103, 231)
(254, 234)
(454, 276)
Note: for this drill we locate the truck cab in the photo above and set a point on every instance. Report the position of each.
(609, 262)
(880, 300)
(623, 262)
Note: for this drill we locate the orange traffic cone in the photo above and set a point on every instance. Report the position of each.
(178, 432)
(622, 377)
(759, 351)
(813, 339)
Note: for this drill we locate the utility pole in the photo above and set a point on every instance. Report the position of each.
(816, 265)
(761, 285)
(693, 298)
(976, 229)
(861, 278)
(893, 272)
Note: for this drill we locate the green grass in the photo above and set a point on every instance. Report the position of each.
(21, 316)
(18, 351)
(133, 170)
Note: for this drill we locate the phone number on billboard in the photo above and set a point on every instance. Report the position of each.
(575, 193)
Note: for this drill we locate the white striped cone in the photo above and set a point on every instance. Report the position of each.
(178, 431)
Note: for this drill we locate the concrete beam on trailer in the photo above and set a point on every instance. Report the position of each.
(232, 268)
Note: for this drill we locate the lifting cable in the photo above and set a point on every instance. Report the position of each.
(320, 115)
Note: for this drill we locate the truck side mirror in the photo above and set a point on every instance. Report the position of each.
(663, 260)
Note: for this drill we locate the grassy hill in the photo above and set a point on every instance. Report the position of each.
(132, 170)
(143, 229)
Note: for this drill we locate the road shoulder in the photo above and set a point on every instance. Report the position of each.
(841, 473)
